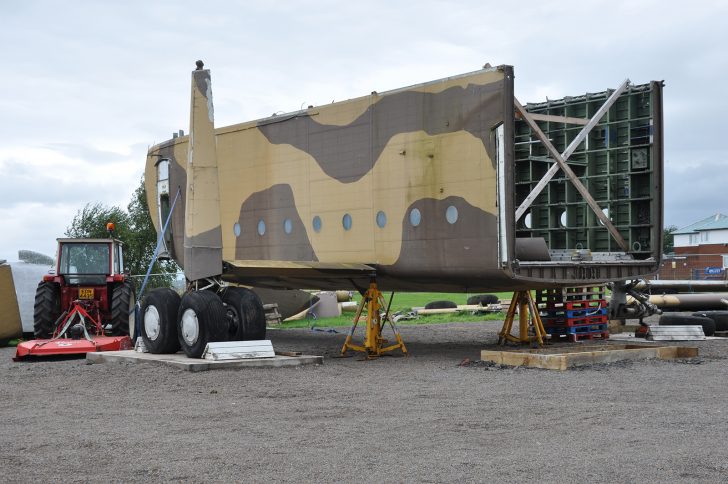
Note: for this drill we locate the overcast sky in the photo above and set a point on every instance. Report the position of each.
(87, 86)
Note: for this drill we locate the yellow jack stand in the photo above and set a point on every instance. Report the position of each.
(525, 304)
(373, 346)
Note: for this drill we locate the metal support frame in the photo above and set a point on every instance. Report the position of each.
(373, 346)
(560, 162)
(523, 300)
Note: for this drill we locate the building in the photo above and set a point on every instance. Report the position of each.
(701, 251)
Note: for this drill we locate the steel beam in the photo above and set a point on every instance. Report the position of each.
(569, 149)
(560, 163)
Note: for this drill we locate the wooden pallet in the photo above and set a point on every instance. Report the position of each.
(272, 316)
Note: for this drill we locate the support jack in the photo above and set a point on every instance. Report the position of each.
(531, 329)
(374, 343)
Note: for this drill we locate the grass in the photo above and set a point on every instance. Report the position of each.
(405, 302)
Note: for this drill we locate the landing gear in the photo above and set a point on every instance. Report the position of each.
(159, 321)
(245, 314)
(373, 342)
(201, 319)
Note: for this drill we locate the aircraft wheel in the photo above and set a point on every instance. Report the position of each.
(201, 319)
(159, 321)
(46, 310)
(245, 313)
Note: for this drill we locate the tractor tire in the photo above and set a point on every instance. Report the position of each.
(159, 321)
(201, 319)
(46, 310)
(720, 318)
(246, 314)
(680, 320)
(440, 305)
(123, 316)
(483, 299)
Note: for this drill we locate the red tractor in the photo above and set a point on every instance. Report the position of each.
(87, 304)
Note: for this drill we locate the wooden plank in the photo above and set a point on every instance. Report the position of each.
(288, 353)
(564, 358)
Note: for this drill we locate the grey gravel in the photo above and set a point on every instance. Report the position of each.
(425, 418)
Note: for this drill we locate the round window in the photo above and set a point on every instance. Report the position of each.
(261, 227)
(381, 219)
(346, 221)
(287, 226)
(415, 217)
(527, 220)
(316, 224)
(451, 214)
(236, 229)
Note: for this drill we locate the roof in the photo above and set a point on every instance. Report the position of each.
(714, 222)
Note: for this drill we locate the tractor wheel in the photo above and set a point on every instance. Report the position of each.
(201, 319)
(159, 321)
(123, 301)
(483, 299)
(47, 309)
(245, 313)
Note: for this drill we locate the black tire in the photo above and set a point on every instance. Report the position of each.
(440, 305)
(46, 310)
(123, 301)
(681, 320)
(201, 319)
(159, 321)
(719, 317)
(483, 299)
(246, 314)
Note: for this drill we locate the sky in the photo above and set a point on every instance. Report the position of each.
(88, 86)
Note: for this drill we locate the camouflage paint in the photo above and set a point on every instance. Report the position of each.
(428, 147)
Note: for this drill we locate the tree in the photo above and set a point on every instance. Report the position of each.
(134, 228)
(668, 239)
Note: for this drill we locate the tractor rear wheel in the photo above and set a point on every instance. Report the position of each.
(46, 310)
(201, 319)
(123, 301)
(245, 313)
(159, 321)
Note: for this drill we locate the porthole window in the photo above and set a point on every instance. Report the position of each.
(236, 229)
(528, 220)
(562, 219)
(381, 219)
(261, 227)
(346, 221)
(316, 224)
(451, 214)
(605, 211)
(415, 217)
(287, 226)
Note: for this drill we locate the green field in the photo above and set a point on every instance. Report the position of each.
(405, 301)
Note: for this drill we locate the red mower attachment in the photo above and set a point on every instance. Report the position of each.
(85, 336)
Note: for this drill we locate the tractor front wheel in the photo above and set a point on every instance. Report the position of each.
(201, 320)
(246, 314)
(123, 301)
(46, 310)
(159, 321)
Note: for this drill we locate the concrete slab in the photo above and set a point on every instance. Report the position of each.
(180, 360)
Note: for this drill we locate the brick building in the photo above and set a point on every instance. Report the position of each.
(701, 251)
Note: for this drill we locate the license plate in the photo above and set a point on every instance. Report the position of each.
(86, 293)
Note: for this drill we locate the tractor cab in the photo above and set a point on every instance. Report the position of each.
(89, 261)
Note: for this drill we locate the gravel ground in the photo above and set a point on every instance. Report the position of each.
(418, 419)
